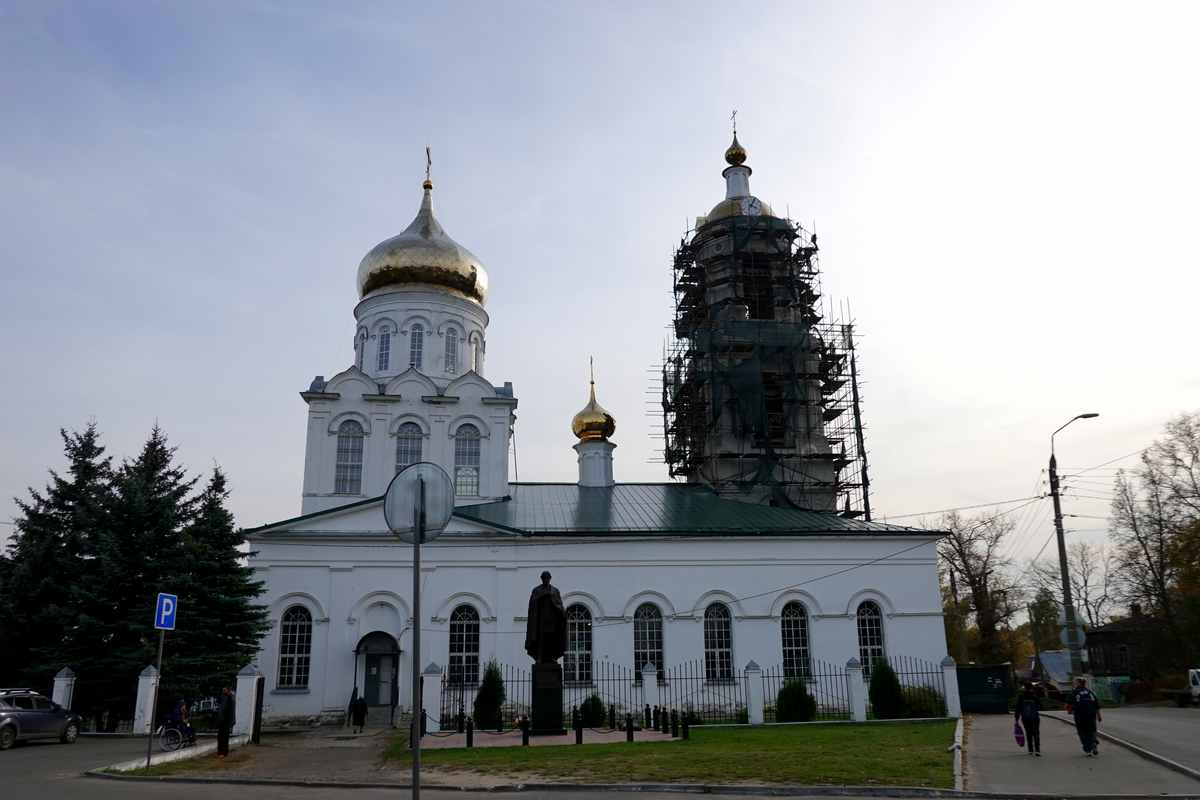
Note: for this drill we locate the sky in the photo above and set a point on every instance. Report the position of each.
(1006, 196)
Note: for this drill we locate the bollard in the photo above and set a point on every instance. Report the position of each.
(674, 724)
(654, 719)
(646, 723)
(664, 722)
(412, 733)
(612, 717)
(470, 732)
(424, 722)
(577, 722)
(525, 731)
(629, 727)
(500, 721)
(461, 721)
(684, 726)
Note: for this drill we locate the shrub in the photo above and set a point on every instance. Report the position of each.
(490, 698)
(592, 712)
(887, 699)
(794, 703)
(923, 701)
(743, 715)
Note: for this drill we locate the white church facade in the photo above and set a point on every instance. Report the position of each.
(650, 573)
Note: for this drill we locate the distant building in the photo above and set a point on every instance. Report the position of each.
(760, 555)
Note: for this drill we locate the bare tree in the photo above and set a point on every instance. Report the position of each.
(1092, 580)
(972, 553)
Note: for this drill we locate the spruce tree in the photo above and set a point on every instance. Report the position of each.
(218, 627)
(56, 538)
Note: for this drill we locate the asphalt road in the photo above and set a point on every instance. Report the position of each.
(52, 771)
(1169, 731)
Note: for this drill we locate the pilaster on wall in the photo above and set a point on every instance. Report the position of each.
(857, 691)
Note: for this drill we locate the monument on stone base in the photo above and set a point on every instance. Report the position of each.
(545, 642)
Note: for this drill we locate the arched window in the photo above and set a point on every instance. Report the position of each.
(464, 646)
(408, 445)
(451, 350)
(385, 349)
(466, 461)
(416, 345)
(870, 635)
(718, 643)
(360, 348)
(577, 661)
(793, 627)
(347, 477)
(295, 648)
(647, 639)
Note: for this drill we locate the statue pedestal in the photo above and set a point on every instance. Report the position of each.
(547, 701)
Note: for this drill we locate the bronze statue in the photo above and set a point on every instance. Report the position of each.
(546, 628)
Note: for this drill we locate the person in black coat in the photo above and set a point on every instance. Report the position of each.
(358, 711)
(1029, 704)
(225, 719)
(1085, 707)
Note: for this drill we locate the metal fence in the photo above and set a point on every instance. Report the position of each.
(614, 686)
(458, 699)
(825, 683)
(923, 684)
(695, 691)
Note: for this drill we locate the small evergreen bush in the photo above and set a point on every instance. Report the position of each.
(923, 701)
(490, 698)
(793, 703)
(592, 712)
(887, 698)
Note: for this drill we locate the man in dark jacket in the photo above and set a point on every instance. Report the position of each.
(225, 720)
(1028, 707)
(1085, 707)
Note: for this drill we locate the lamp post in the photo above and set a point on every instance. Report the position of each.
(1068, 603)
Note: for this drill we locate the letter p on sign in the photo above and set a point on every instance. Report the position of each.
(164, 612)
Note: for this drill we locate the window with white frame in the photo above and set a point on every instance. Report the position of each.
(870, 635)
(466, 461)
(416, 345)
(347, 477)
(385, 350)
(718, 643)
(577, 661)
(793, 627)
(647, 639)
(295, 648)
(464, 647)
(408, 445)
(451, 350)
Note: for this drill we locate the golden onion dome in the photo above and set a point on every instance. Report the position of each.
(736, 154)
(423, 254)
(749, 206)
(593, 423)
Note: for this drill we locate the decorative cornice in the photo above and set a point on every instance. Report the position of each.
(310, 396)
(499, 401)
(382, 398)
(439, 399)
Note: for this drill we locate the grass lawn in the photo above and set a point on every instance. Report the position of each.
(891, 754)
(202, 765)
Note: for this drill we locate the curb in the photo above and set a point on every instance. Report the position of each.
(959, 777)
(665, 788)
(1149, 755)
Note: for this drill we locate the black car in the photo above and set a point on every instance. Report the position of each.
(25, 714)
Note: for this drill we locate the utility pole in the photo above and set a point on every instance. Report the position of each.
(1068, 603)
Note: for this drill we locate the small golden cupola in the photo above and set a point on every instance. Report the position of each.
(593, 423)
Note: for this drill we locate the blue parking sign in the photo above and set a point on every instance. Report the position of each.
(164, 612)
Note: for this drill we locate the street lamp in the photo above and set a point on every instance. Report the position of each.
(1068, 603)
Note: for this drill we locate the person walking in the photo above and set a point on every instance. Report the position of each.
(1085, 707)
(1029, 706)
(359, 713)
(225, 719)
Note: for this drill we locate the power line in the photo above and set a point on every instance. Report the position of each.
(964, 508)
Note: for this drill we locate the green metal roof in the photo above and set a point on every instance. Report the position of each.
(675, 508)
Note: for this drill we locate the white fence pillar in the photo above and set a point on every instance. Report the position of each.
(649, 685)
(857, 690)
(64, 688)
(246, 700)
(754, 693)
(431, 697)
(144, 706)
(950, 679)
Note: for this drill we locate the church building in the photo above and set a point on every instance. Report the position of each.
(760, 549)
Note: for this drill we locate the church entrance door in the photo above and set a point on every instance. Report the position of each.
(381, 668)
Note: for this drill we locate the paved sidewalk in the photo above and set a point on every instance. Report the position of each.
(994, 763)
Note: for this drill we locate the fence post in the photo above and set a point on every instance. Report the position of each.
(950, 684)
(64, 688)
(147, 684)
(470, 732)
(857, 691)
(431, 697)
(754, 693)
(649, 685)
(629, 727)
(246, 699)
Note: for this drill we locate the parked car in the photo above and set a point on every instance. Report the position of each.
(1189, 695)
(25, 714)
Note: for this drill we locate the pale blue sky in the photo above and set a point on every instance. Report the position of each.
(1005, 194)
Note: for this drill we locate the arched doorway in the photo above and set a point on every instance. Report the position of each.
(380, 656)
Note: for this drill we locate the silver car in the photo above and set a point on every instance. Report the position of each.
(25, 714)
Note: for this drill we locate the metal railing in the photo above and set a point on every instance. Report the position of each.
(825, 683)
